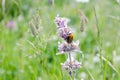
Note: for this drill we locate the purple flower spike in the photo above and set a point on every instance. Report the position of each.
(68, 46)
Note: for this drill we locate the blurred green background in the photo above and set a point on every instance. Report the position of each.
(25, 57)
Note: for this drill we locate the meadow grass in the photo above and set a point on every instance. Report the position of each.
(24, 56)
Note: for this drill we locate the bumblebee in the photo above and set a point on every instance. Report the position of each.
(69, 39)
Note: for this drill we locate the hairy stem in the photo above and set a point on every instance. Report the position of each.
(69, 56)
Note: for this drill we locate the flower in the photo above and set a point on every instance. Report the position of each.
(61, 22)
(11, 24)
(71, 65)
(68, 47)
(64, 32)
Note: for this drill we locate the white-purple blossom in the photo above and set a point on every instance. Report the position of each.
(64, 32)
(61, 22)
(68, 47)
(73, 64)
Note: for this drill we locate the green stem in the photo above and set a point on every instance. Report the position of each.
(98, 38)
(73, 76)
